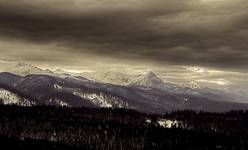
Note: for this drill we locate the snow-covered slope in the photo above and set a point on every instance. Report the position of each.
(98, 98)
(7, 97)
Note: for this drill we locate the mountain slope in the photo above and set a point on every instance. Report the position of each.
(9, 95)
(51, 90)
(75, 92)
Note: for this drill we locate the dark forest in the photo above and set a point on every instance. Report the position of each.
(45, 127)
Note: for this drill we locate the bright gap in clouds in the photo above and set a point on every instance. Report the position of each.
(218, 81)
(216, 0)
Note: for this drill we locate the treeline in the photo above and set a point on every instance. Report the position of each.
(108, 129)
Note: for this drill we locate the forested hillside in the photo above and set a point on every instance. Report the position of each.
(108, 129)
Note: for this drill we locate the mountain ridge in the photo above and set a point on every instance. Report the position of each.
(73, 92)
(119, 84)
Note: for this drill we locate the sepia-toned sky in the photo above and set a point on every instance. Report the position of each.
(205, 41)
(210, 33)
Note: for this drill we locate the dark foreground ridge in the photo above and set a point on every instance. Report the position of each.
(45, 128)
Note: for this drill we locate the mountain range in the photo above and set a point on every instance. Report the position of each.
(26, 85)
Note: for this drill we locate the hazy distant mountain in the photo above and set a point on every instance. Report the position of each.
(107, 76)
(151, 80)
(22, 69)
(147, 80)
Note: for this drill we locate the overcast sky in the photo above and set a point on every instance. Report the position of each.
(210, 33)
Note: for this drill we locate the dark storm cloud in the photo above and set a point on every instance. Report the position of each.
(197, 32)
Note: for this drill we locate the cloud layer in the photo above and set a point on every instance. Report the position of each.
(185, 32)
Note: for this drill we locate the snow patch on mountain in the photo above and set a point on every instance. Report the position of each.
(9, 98)
(101, 99)
(58, 87)
(59, 102)
(98, 98)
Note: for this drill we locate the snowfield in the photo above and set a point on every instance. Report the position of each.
(8, 98)
(101, 99)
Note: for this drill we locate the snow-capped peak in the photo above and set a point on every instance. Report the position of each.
(150, 80)
(152, 76)
(22, 68)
